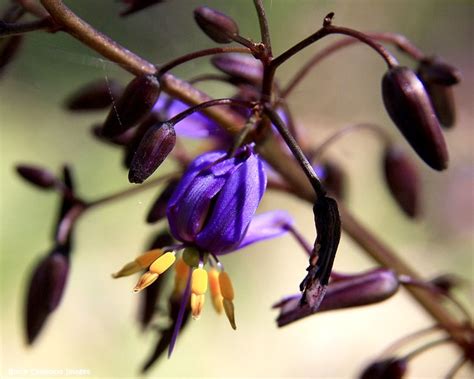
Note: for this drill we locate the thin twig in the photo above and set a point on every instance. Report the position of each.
(264, 29)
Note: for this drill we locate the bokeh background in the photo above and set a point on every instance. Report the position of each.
(95, 326)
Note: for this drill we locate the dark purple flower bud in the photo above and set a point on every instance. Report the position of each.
(154, 147)
(402, 180)
(241, 66)
(356, 290)
(137, 136)
(328, 230)
(9, 48)
(390, 368)
(157, 211)
(410, 108)
(333, 178)
(151, 295)
(217, 26)
(435, 70)
(216, 199)
(133, 106)
(36, 175)
(438, 77)
(95, 95)
(45, 291)
(137, 5)
(121, 140)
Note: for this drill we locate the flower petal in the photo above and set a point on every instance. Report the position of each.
(265, 226)
(234, 208)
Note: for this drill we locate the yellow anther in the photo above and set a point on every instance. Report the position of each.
(215, 290)
(182, 269)
(199, 281)
(227, 290)
(145, 280)
(229, 311)
(149, 257)
(163, 263)
(197, 304)
(140, 263)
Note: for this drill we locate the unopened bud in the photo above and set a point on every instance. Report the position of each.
(390, 368)
(363, 289)
(36, 175)
(410, 108)
(133, 106)
(435, 70)
(438, 77)
(241, 66)
(95, 95)
(138, 134)
(217, 26)
(157, 211)
(45, 292)
(446, 283)
(155, 146)
(402, 180)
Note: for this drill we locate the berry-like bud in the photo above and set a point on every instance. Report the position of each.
(98, 94)
(155, 146)
(435, 70)
(133, 106)
(402, 180)
(240, 66)
(410, 108)
(217, 26)
(438, 77)
(36, 175)
(45, 292)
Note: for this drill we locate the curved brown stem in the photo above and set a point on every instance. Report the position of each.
(398, 40)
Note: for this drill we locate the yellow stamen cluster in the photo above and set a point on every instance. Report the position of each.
(157, 262)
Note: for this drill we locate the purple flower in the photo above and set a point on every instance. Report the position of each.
(216, 199)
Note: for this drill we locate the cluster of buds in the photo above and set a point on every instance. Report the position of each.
(210, 202)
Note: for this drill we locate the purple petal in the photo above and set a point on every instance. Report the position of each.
(182, 307)
(265, 226)
(235, 206)
(190, 204)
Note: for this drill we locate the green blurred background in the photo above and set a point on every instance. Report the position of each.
(95, 327)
